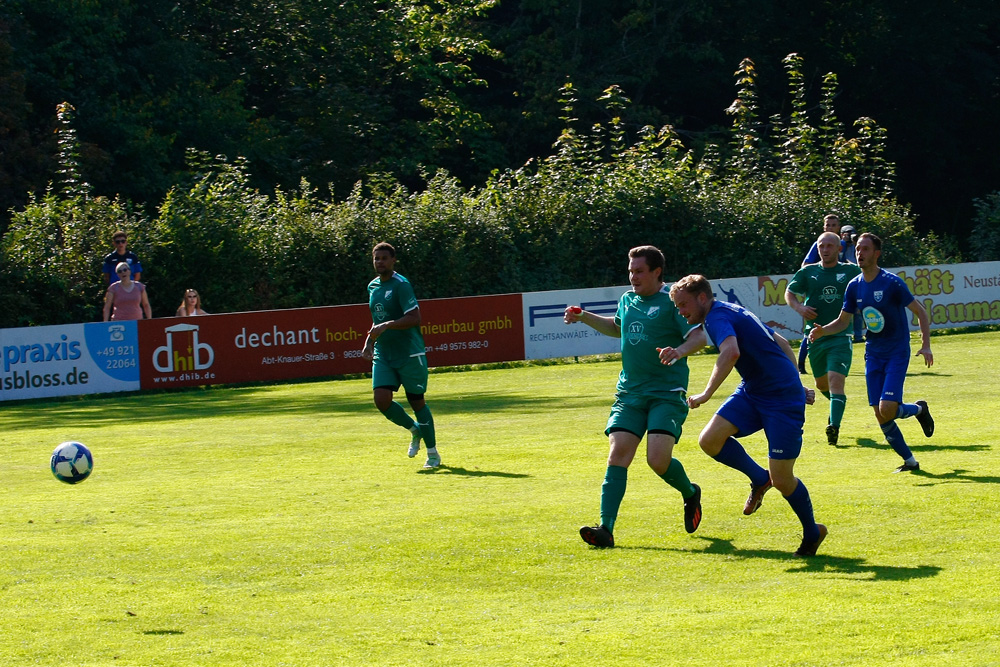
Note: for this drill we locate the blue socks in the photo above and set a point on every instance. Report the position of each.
(895, 439)
(802, 506)
(733, 455)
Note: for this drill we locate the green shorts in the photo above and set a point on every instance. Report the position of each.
(834, 355)
(640, 413)
(412, 375)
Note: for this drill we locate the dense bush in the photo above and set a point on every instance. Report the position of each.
(748, 208)
(986, 233)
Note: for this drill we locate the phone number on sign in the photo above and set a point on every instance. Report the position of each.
(460, 345)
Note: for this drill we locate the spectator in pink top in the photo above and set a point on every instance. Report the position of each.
(126, 299)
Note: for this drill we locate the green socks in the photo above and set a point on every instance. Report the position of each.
(612, 492)
(426, 423)
(838, 402)
(677, 478)
(397, 415)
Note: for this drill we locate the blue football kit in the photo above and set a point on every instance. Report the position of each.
(770, 396)
(883, 304)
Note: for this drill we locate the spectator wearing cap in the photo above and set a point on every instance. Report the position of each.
(848, 239)
(120, 254)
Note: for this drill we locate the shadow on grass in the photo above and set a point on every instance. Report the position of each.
(818, 563)
(868, 443)
(454, 470)
(957, 475)
(261, 401)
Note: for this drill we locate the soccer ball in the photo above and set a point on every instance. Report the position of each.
(72, 462)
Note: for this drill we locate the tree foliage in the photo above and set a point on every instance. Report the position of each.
(564, 220)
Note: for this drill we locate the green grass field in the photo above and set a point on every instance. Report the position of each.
(284, 525)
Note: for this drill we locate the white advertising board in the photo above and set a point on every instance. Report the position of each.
(69, 359)
(546, 336)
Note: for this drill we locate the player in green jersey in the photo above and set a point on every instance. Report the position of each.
(396, 349)
(650, 396)
(816, 292)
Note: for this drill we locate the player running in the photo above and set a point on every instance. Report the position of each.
(822, 288)
(650, 395)
(396, 349)
(883, 299)
(770, 397)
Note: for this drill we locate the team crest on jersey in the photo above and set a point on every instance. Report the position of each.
(388, 294)
(636, 333)
(653, 312)
(841, 277)
(878, 295)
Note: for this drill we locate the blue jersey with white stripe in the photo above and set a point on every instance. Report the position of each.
(763, 365)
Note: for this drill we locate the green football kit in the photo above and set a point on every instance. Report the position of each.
(650, 395)
(400, 356)
(823, 290)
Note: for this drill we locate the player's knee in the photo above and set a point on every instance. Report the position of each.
(382, 399)
(416, 401)
(658, 461)
(784, 483)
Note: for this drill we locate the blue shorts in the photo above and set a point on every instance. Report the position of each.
(781, 418)
(885, 377)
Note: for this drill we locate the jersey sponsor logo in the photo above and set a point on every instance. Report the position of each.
(636, 333)
(874, 320)
(379, 312)
(830, 294)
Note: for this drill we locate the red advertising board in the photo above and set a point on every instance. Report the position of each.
(473, 330)
(252, 347)
(316, 342)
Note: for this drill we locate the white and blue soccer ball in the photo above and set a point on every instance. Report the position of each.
(72, 462)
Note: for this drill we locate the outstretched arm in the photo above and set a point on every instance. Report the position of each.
(925, 332)
(695, 340)
(600, 324)
(729, 353)
(831, 328)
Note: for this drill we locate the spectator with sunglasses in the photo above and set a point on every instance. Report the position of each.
(126, 299)
(121, 253)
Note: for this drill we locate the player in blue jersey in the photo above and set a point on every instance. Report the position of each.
(883, 299)
(649, 398)
(396, 349)
(770, 397)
